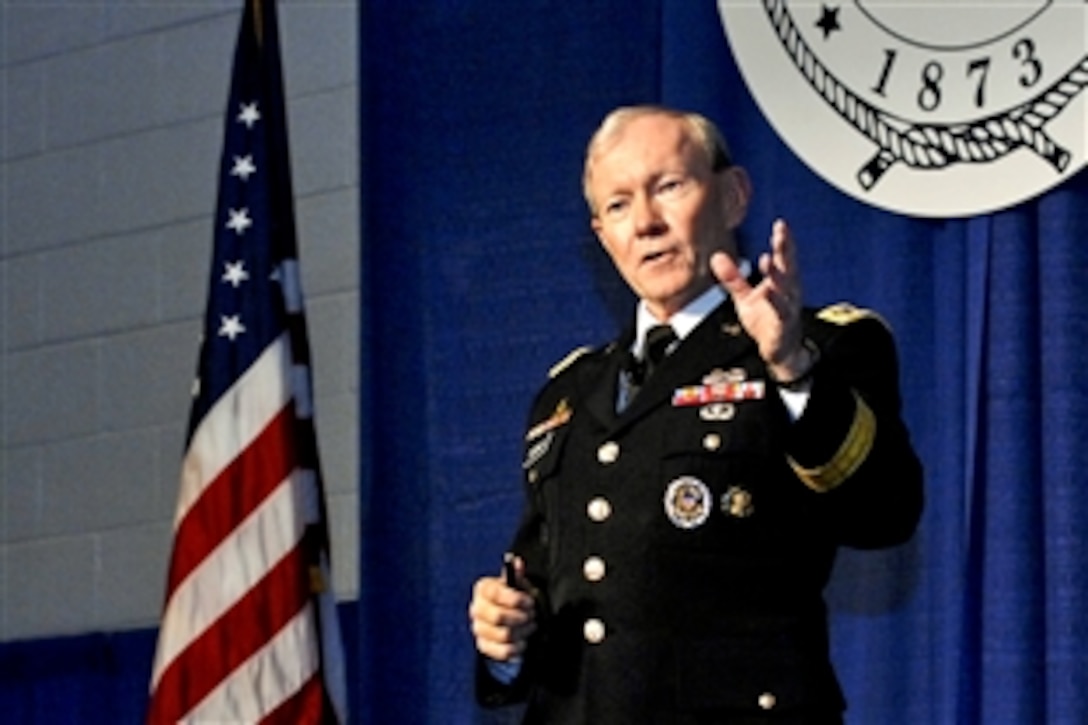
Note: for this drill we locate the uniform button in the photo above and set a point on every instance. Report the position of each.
(593, 630)
(608, 452)
(599, 509)
(593, 568)
(767, 701)
(712, 441)
(533, 475)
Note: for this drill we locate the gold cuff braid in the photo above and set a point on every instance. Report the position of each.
(851, 454)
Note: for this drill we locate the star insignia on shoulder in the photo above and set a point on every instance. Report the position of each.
(845, 313)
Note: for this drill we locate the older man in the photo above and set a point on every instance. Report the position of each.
(688, 485)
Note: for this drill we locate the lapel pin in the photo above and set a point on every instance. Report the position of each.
(737, 502)
(733, 329)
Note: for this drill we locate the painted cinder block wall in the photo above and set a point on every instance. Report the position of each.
(111, 119)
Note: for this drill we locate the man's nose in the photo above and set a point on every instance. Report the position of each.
(646, 214)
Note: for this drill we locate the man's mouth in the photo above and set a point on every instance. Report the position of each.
(656, 255)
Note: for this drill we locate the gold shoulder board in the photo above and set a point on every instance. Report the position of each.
(569, 360)
(844, 313)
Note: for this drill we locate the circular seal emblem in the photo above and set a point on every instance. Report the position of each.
(931, 109)
(687, 502)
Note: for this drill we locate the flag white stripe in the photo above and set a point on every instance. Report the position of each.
(233, 568)
(266, 679)
(235, 421)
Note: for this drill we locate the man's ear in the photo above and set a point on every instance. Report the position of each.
(736, 193)
(595, 224)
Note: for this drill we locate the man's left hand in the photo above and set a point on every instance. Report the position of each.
(770, 311)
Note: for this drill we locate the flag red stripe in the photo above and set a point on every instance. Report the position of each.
(306, 705)
(233, 639)
(234, 494)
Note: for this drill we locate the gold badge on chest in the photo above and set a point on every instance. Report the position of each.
(737, 502)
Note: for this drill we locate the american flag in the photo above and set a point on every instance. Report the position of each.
(249, 629)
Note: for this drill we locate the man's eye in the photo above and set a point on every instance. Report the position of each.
(670, 186)
(616, 207)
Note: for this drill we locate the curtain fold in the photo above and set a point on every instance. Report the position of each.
(974, 470)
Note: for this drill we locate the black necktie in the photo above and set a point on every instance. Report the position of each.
(638, 370)
(656, 347)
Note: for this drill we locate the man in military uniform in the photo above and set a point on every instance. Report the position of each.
(688, 486)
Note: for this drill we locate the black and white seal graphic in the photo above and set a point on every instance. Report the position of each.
(933, 109)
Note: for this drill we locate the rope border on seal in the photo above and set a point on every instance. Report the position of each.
(932, 146)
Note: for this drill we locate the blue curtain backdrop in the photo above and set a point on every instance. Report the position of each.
(480, 272)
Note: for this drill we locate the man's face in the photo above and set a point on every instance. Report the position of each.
(661, 211)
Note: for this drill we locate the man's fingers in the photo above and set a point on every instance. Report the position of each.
(728, 275)
(782, 286)
(502, 618)
(784, 256)
(782, 244)
(491, 598)
(776, 280)
(501, 633)
(500, 651)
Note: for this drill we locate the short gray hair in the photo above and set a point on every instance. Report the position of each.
(703, 131)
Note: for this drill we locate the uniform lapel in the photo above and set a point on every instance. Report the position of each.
(716, 342)
(602, 382)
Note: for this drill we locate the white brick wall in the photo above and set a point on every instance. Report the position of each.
(110, 129)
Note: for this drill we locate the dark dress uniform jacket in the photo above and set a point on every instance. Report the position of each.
(678, 550)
